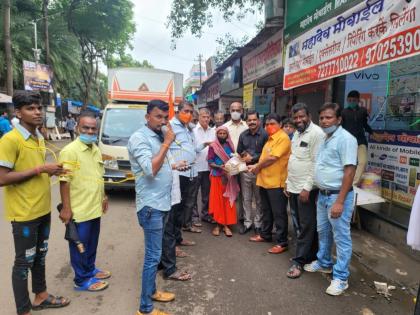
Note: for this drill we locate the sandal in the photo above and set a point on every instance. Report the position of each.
(180, 253)
(51, 302)
(294, 272)
(179, 276)
(193, 229)
(197, 224)
(186, 243)
(101, 274)
(227, 231)
(216, 231)
(92, 285)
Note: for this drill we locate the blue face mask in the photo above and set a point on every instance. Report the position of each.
(330, 130)
(88, 139)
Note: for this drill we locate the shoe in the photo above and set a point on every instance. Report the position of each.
(154, 312)
(160, 296)
(243, 229)
(337, 287)
(257, 238)
(277, 249)
(316, 267)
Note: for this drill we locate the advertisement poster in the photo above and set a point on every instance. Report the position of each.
(368, 34)
(37, 77)
(248, 95)
(395, 156)
(372, 86)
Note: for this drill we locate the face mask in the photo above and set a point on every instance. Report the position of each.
(271, 130)
(185, 118)
(88, 139)
(222, 141)
(235, 115)
(330, 130)
(352, 105)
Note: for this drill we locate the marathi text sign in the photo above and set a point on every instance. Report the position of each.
(37, 77)
(263, 60)
(371, 33)
(395, 156)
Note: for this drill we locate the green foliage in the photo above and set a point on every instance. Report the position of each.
(227, 45)
(126, 61)
(193, 15)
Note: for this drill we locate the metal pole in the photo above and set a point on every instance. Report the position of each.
(36, 50)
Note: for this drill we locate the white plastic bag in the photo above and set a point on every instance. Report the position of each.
(235, 165)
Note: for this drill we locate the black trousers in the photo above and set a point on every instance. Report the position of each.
(189, 190)
(31, 246)
(203, 182)
(171, 236)
(307, 238)
(71, 132)
(274, 211)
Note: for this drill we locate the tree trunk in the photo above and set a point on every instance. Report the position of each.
(8, 46)
(47, 45)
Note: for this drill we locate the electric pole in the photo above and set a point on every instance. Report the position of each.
(200, 58)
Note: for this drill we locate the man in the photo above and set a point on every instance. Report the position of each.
(84, 201)
(289, 127)
(26, 178)
(5, 126)
(236, 125)
(184, 148)
(355, 120)
(219, 118)
(300, 187)
(334, 172)
(250, 146)
(203, 135)
(271, 171)
(70, 126)
(149, 155)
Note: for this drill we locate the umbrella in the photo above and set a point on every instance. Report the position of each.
(71, 233)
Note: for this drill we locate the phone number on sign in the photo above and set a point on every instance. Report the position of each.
(394, 47)
(339, 65)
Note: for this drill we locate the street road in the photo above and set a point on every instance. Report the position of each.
(230, 275)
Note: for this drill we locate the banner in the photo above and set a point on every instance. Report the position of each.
(263, 60)
(248, 95)
(37, 77)
(395, 156)
(371, 33)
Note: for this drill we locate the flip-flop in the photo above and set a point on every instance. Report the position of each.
(228, 232)
(291, 273)
(180, 253)
(88, 285)
(186, 243)
(179, 276)
(106, 274)
(51, 302)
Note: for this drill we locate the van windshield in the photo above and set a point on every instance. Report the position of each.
(120, 124)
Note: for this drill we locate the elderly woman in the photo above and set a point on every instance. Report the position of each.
(223, 188)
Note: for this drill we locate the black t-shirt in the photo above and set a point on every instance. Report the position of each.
(355, 121)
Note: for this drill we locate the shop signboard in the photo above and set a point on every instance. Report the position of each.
(302, 15)
(37, 77)
(372, 85)
(395, 155)
(248, 95)
(370, 33)
(213, 92)
(231, 77)
(263, 103)
(263, 60)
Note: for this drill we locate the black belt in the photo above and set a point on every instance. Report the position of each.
(327, 192)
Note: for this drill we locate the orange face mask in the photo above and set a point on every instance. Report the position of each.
(185, 118)
(271, 129)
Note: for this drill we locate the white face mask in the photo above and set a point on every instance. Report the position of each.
(235, 115)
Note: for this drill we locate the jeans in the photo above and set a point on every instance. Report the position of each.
(84, 264)
(189, 190)
(203, 182)
(250, 191)
(307, 238)
(31, 247)
(274, 211)
(337, 230)
(153, 222)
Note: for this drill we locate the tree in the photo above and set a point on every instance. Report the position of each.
(227, 45)
(111, 32)
(193, 15)
(126, 61)
(8, 46)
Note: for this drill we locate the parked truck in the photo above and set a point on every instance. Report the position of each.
(129, 91)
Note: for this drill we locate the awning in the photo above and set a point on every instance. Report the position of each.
(4, 98)
(93, 108)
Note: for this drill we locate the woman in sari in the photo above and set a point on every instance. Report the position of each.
(223, 188)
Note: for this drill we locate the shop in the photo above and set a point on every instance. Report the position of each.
(372, 47)
(230, 84)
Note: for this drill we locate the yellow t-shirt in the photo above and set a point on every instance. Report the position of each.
(274, 176)
(86, 182)
(31, 199)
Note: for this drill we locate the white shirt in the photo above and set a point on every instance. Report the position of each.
(15, 121)
(301, 167)
(202, 136)
(235, 130)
